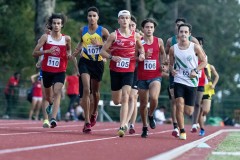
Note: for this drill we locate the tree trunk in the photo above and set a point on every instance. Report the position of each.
(141, 11)
(128, 5)
(44, 8)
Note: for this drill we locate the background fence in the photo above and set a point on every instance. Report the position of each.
(20, 110)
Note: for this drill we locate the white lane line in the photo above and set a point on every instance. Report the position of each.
(24, 133)
(226, 153)
(174, 153)
(14, 150)
(7, 124)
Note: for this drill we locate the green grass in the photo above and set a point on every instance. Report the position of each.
(230, 144)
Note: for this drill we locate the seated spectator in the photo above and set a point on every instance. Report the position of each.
(160, 116)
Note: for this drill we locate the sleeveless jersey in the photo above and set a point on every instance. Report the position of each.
(207, 87)
(125, 48)
(150, 67)
(201, 77)
(57, 61)
(185, 60)
(90, 51)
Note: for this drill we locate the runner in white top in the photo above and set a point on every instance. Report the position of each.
(186, 55)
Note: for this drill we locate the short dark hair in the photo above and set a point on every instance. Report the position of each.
(134, 19)
(181, 19)
(94, 9)
(186, 25)
(200, 39)
(56, 16)
(151, 20)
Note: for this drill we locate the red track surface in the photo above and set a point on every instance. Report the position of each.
(27, 140)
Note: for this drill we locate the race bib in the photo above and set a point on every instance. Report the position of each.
(150, 64)
(185, 72)
(53, 61)
(124, 63)
(93, 50)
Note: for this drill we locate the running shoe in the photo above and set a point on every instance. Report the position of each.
(87, 128)
(152, 122)
(46, 123)
(121, 132)
(175, 132)
(131, 129)
(49, 109)
(183, 136)
(93, 119)
(125, 128)
(53, 123)
(144, 132)
(194, 128)
(202, 132)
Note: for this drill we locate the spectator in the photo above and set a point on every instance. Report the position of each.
(11, 92)
(72, 90)
(37, 97)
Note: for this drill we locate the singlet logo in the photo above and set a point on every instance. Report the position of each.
(149, 52)
(119, 42)
(189, 58)
(132, 43)
(56, 50)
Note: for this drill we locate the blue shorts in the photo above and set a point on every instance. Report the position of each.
(144, 84)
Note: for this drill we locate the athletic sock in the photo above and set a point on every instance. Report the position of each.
(182, 130)
(202, 129)
(175, 125)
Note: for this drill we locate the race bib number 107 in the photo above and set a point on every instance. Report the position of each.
(93, 50)
(53, 61)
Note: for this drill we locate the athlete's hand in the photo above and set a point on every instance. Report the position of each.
(38, 64)
(164, 68)
(193, 74)
(212, 86)
(116, 58)
(94, 41)
(141, 57)
(174, 72)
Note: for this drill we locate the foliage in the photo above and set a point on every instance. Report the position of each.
(217, 21)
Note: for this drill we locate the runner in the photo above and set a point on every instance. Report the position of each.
(170, 42)
(91, 66)
(56, 51)
(122, 45)
(149, 74)
(199, 96)
(132, 111)
(185, 55)
(208, 92)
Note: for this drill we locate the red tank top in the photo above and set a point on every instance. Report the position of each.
(37, 89)
(56, 61)
(201, 81)
(150, 67)
(125, 48)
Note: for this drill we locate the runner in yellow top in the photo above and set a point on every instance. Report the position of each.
(91, 66)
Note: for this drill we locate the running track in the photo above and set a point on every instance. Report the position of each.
(27, 140)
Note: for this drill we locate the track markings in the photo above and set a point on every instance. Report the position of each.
(174, 153)
(14, 150)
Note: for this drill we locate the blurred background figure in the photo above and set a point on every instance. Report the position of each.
(72, 91)
(159, 115)
(36, 97)
(11, 92)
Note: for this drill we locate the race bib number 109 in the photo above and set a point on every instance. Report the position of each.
(124, 63)
(53, 61)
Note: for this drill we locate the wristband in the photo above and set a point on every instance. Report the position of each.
(110, 56)
(195, 70)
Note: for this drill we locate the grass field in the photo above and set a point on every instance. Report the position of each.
(230, 144)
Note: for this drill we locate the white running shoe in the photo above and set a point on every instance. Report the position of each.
(194, 128)
(175, 132)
